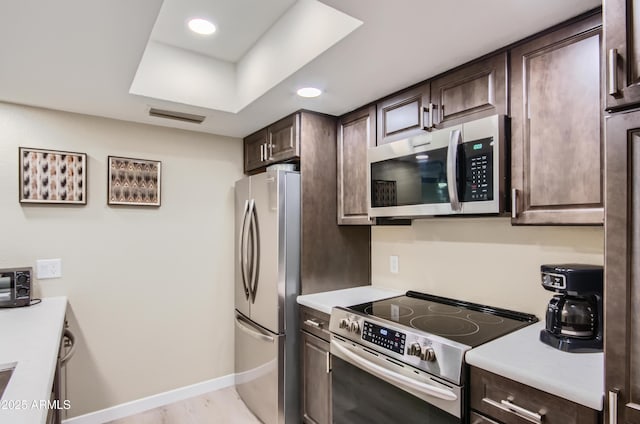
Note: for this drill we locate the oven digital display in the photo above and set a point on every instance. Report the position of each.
(385, 337)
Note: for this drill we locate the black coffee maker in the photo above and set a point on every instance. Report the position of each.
(574, 316)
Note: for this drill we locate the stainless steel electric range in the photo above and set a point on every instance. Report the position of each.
(402, 359)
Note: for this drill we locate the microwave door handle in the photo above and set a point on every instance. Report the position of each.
(392, 377)
(255, 250)
(455, 138)
(243, 249)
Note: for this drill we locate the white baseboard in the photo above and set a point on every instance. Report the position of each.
(155, 401)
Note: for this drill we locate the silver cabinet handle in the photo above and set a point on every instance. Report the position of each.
(514, 203)
(328, 362)
(452, 161)
(431, 108)
(270, 156)
(313, 323)
(613, 72)
(613, 406)
(508, 406)
(71, 344)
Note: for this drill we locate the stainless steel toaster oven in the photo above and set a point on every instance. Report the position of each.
(15, 287)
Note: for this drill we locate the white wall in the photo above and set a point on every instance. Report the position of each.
(150, 289)
(484, 260)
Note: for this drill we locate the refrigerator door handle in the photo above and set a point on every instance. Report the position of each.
(242, 254)
(255, 250)
(255, 332)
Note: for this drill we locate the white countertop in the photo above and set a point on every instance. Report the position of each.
(522, 357)
(31, 339)
(324, 301)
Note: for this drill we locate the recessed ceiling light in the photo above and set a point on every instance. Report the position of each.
(309, 92)
(202, 26)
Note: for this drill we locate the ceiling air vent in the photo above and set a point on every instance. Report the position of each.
(180, 116)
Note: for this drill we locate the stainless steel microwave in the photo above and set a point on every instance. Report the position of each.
(15, 287)
(453, 171)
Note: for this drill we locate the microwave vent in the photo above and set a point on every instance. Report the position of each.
(179, 116)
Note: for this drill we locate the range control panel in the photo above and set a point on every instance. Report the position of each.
(385, 337)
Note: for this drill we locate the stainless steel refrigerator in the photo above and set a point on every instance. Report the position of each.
(267, 281)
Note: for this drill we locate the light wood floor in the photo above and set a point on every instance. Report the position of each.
(220, 407)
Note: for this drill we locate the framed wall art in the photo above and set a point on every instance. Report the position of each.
(133, 181)
(51, 176)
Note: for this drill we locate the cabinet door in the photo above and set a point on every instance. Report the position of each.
(557, 132)
(404, 115)
(255, 150)
(284, 139)
(472, 92)
(356, 133)
(622, 268)
(316, 380)
(475, 418)
(622, 48)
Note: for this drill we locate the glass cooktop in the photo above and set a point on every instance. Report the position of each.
(464, 322)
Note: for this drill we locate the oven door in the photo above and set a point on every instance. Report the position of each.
(371, 388)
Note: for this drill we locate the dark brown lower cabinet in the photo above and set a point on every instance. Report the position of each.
(315, 365)
(622, 269)
(495, 399)
(476, 418)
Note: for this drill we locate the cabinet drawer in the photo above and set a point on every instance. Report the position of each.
(475, 418)
(314, 322)
(510, 402)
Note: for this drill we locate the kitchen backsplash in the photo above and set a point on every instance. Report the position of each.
(484, 260)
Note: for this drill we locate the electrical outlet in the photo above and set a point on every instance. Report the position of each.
(48, 268)
(394, 267)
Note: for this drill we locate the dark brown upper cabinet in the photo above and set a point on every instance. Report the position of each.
(404, 114)
(622, 51)
(284, 139)
(622, 269)
(471, 92)
(556, 128)
(254, 150)
(356, 133)
(278, 142)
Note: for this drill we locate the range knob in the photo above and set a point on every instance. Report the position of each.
(427, 354)
(354, 327)
(344, 323)
(414, 349)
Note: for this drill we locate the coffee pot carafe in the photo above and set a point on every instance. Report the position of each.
(574, 315)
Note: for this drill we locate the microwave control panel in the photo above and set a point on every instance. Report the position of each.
(478, 156)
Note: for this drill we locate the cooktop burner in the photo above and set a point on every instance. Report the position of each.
(445, 325)
(464, 322)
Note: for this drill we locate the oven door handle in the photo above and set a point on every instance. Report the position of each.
(392, 377)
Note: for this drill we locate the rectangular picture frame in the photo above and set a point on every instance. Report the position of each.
(133, 182)
(52, 176)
